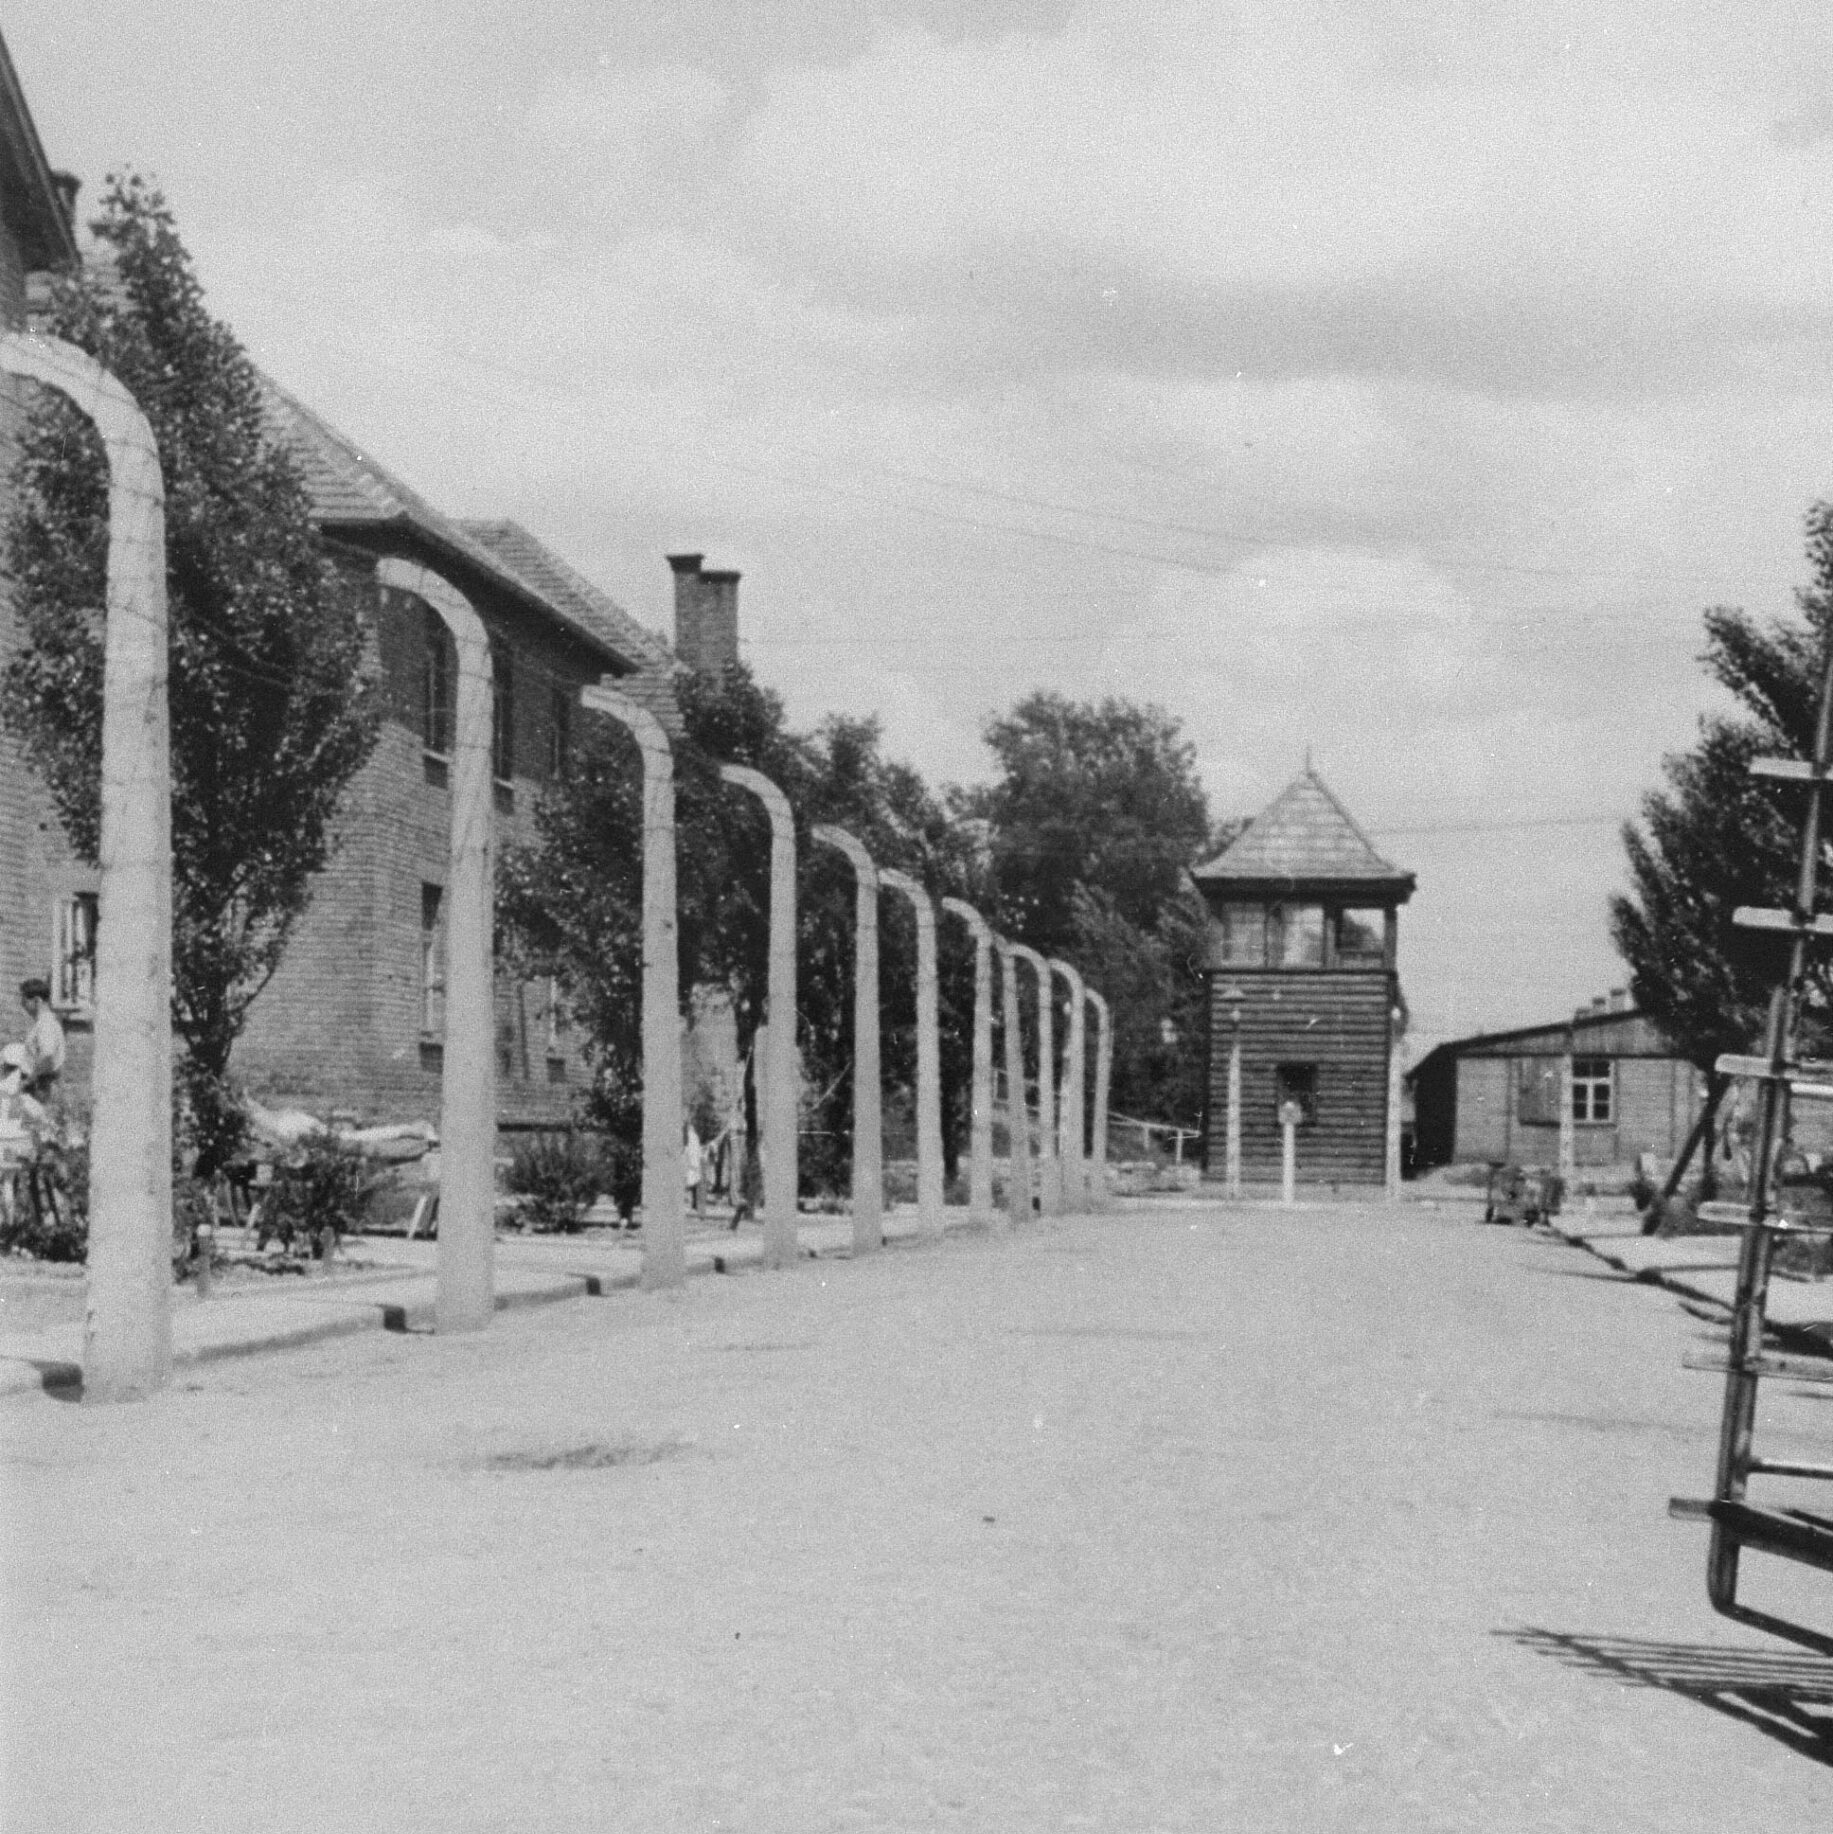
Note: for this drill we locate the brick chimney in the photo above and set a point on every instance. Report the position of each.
(706, 614)
(1619, 999)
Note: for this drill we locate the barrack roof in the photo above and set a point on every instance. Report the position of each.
(1304, 837)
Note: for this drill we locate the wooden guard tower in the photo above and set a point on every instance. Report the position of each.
(1302, 983)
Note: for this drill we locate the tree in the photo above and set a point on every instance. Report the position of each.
(273, 709)
(1717, 838)
(1091, 829)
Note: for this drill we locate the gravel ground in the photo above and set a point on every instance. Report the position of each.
(1194, 1519)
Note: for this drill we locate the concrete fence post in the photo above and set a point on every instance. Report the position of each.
(464, 1296)
(782, 1091)
(980, 1137)
(127, 1324)
(1394, 1090)
(868, 1116)
(929, 1056)
(664, 1243)
(1049, 1169)
(1072, 1115)
(1018, 1118)
(1100, 1195)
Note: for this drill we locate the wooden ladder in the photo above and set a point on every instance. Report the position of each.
(1737, 1522)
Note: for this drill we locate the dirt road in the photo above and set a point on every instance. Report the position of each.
(1341, 1519)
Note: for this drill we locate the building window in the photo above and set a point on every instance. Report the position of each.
(1361, 939)
(1243, 936)
(73, 952)
(1295, 1083)
(1297, 935)
(432, 962)
(1591, 1089)
(436, 684)
(559, 734)
(502, 714)
(559, 1021)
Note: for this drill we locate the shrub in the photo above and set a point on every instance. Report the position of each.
(560, 1174)
(318, 1194)
(59, 1231)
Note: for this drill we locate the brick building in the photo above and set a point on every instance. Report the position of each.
(47, 899)
(353, 1019)
(1497, 1096)
(1302, 979)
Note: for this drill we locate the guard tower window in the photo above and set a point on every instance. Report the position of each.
(1244, 936)
(1591, 1089)
(1361, 939)
(1295, 1082)
(1297, 935)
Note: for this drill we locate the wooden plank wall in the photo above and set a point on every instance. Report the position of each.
(1336, 1020)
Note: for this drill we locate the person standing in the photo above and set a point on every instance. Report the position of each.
(44, 1043)
(693, 1158)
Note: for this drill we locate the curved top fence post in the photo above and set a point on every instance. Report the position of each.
(1072, 1117)
(664, 1245)
(1049, 1169)
(1104, 1075)
(465, 1296)
(868, 1121)
(782, 1092)
(127, 1331)
(1018, 1118)
(929, 1056)
(980, 1132)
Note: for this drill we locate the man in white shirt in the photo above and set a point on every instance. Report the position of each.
(44, 1043)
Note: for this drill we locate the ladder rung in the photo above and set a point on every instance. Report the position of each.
(1790, 1467)
(1788, 770)
(1777, 1368)
(1789, 1533)
(1738, 1216)
(1753, 917)
(1799, 1077)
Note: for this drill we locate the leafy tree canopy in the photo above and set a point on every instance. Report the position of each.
(1716, 837)
(272, 707)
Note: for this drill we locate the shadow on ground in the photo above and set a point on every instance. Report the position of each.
(1789, 1697)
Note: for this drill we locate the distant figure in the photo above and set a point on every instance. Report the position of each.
(693, 1165)
(43, 1059)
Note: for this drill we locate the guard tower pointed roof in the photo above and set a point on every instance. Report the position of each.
(1305, 841)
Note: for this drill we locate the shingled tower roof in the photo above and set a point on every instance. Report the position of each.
(1304, 840)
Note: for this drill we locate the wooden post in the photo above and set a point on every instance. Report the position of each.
(1018, 1116)
(868, 1122)
(929, 1056)
(1100, 1194)
(980, 1134)
(1568, 1131)
(1288, 1166)
(782, 1093)
(664, 1242)
(1072, 1116)
(127, 1324)
(1049, 1171)
(464, 1297)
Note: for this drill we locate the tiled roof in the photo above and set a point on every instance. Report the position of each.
(571, 591)
(1303, 834)
(349, 489)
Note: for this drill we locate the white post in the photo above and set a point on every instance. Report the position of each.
(664, 1243)
(929, 1056)
(1018, 1117)
(1233, 1170)
(464, 1296)
(1288, 1169)
(868, 1121)
(1393, 1105)
(782, 1094)
(980, 1136)
(127, 1323)
(1049, 1168)
(1104, 1075)
(1072, 1114)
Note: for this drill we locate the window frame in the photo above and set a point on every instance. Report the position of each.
(1588, 1085)
(432, 962)
(75, 918)
(436, 680)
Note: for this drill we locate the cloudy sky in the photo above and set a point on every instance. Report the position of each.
(1393, 381)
